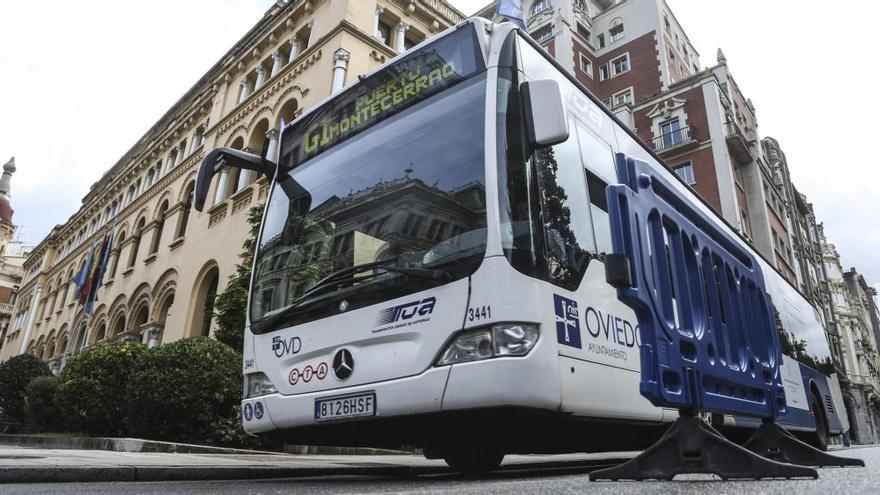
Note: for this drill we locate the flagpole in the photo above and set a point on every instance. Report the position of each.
(79, 305)
(76, 309)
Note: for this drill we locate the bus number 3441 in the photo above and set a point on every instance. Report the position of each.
(479, 313)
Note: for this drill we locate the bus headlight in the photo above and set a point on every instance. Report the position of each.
(502, 339)
(258, 384)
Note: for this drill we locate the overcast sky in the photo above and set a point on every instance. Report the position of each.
(80, 82)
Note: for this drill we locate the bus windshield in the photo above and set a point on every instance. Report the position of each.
(398, 208)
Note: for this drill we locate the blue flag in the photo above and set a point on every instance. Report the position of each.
(513, 11)
(80, 277)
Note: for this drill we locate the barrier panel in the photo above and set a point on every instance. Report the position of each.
(708, 335)
(709, 339)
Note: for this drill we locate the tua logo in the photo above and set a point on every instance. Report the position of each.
(568, 326)
(287, 347)
(406, 311)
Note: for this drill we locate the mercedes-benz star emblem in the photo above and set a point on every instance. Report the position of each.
(343, 364)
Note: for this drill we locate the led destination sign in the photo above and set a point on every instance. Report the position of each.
(383, 100)
(420, 75)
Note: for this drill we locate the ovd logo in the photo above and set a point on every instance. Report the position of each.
(568, 327)
(288, 347)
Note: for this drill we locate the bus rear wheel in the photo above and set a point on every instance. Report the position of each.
(474, 463)
(820, 438)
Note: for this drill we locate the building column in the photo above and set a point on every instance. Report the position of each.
(376, 17)
(195, 142)
(276, 64)
(261, 77)
(309, 25)
(272, 149)
(153, 336)
(31, 317)
(294, 49)
(340, 66)
(245, 87)
(244, 178)
(172, 159)
(400, 39)
(181, 152)
(220, 193)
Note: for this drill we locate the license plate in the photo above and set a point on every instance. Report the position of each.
(349, 406)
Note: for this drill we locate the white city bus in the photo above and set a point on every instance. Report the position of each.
(430, 271)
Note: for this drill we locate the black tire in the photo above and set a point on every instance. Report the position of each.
(819, 438)
(475, 462)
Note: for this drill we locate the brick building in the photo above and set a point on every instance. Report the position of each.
(636, 57)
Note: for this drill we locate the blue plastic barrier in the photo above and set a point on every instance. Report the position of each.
(708, 334)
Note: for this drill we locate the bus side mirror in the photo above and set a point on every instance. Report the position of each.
(544, 113)
(227, 157)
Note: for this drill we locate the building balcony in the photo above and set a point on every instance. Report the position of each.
(737, 142)
(5, 309)
(675, 142)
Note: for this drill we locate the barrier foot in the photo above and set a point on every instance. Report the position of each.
(775, 442)
(691, 446)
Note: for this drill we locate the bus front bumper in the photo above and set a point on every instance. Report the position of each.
(527, 382)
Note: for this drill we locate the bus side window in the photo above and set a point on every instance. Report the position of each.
(596, 154)
(568, 233)
(599, 212)
(598, 162)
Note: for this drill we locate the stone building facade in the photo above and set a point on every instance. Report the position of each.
(860, 381)
(168, 262)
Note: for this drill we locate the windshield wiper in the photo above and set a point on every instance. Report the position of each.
(339, 277)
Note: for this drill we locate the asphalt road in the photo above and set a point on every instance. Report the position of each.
(534, 479)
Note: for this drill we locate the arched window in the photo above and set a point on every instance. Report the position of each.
(202, 297)
(160, 226)
(210, 296)
(540, 6)
(616, 30)
(101, 333)
(80, 338)
(187, 207)
(119, 328)
(136, 242)
(71, 286)
(143, 315)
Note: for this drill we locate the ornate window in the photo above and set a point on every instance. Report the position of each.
(540, 6)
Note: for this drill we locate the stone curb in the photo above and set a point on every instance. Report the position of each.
(201, 473)
(207, 473)
(140, 445)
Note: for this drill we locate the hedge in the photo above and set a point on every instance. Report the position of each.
(15, 375)
(40, 412)
(186, 391)
(92, 394)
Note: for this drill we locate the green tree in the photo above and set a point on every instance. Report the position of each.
(15, 375)
(231, 304)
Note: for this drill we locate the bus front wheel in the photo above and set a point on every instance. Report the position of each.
(474, 463)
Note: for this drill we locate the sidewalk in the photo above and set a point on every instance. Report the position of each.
(25, 465)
